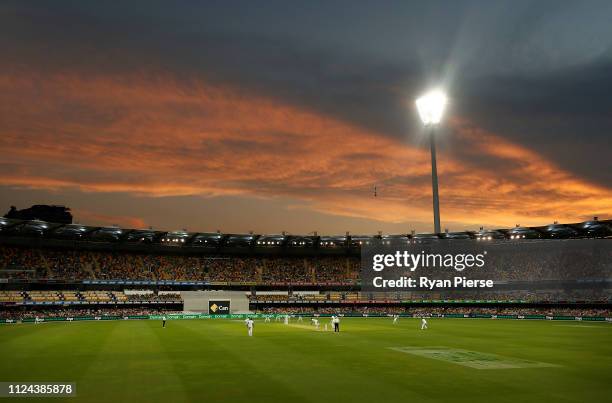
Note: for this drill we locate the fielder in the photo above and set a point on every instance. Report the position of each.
(395, 319)
(423, 324)
(164, 321)
(249, 325)
(315, 322)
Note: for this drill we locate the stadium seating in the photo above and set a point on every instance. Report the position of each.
(77, 265)
(11, 296)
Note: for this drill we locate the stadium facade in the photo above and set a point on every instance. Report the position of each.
(66, 270)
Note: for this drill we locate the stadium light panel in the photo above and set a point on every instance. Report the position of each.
(431, 107)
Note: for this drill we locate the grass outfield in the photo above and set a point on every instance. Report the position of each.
(215, 361)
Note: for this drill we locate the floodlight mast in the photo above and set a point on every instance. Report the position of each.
(434, 181)
(431, 107)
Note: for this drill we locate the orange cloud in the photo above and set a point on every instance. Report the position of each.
(94, 218)
(156, 136)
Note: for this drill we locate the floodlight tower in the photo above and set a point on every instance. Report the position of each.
(431, 107)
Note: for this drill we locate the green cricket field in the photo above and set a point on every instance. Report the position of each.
(370, 360)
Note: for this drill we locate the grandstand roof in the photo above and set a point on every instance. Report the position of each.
(14, 228)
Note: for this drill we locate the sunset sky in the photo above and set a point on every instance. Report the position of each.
(283, 115)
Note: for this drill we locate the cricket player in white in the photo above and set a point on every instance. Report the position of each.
(249, 324)
(315, 322)
(395, 318)
(267, 319)
(423, 324)
(286, 319)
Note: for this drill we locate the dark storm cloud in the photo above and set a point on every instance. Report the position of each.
(564, 116)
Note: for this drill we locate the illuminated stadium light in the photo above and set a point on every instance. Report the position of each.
(431, 107)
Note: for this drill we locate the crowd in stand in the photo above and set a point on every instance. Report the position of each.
(36, 263)
(442, 310)
(153, 297)
(21, 314)
(74, 297)
(52, 264)
(547, 295)
(70, 265)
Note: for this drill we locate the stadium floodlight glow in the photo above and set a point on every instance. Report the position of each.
(431, 108)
